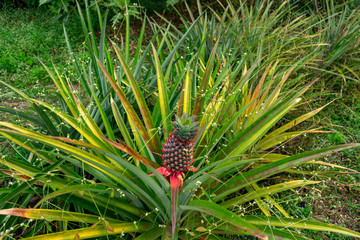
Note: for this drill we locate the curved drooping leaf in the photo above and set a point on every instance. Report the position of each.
(266, 191)
(264, 171)
(125, 148)
(225, 215)
(36, 176)
(299, 223)
(94, 232)
(98, 163)
(50, 215)
(91, 188)
(272, 232)
(27, 116)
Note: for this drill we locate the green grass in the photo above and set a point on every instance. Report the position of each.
(341, 195)
(29, 36)
(337, 200)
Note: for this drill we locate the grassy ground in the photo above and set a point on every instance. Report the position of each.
(28, 38)
(340, 201)
(337, 199)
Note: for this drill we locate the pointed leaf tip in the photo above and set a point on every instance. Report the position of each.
(19, 212)
(108, 227)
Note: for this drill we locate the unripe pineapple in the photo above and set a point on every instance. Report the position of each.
(179, 149)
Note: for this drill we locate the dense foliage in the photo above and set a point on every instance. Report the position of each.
(95, 160)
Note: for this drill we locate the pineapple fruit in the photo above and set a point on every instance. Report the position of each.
(178, 150)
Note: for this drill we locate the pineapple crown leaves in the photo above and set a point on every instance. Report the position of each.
(185, 128)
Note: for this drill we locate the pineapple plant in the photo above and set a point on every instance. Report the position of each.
(178, 150)
(121, 193)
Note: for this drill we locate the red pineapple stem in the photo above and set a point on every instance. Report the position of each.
(175, 183)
